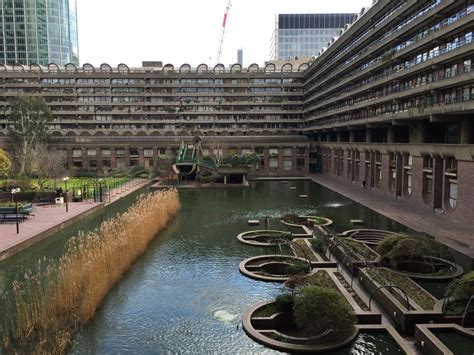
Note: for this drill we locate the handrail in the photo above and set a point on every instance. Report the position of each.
(389, 286)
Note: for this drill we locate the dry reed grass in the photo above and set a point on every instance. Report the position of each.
(45, 309)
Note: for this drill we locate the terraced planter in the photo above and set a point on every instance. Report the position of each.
(371, 237)
(265, 238)
(331, 278)
(344, 252)
(302, 248)
(428, 268)
(271, 268)
(444, 339)
(405, 313)
(276, 330)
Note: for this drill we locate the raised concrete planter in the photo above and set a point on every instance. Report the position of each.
(265, 238)
(273, 267)
(429, 343)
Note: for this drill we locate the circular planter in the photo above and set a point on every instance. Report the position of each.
(273, 327)
(264, 238)
(405, 267)
(274, 267)
(309, 221)
(371, 237)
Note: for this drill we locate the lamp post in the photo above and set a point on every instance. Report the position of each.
(66, 179)
(14, 192)
(100, 189)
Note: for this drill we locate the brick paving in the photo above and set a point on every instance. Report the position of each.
(458, 236)
(49, 218)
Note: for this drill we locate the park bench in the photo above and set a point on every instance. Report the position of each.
(8, 214)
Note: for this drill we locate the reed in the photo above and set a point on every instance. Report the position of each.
(46, 308)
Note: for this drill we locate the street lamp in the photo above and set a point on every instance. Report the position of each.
(14, 192)
(100, 189)
(66, 179)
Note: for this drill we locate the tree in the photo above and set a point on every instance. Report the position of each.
(216, 151)
(28, 125)
(5, 164)
(46, 163)
(318, 309)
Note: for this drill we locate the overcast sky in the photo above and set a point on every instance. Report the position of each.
(186, 31)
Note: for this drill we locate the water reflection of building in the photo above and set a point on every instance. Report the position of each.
(390, 102)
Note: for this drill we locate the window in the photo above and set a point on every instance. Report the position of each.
(287, 152)
(148, 152)
(273, 164)
(76, 153)
(287, 165)
(106, 152)
(273, 151)
(91, 152)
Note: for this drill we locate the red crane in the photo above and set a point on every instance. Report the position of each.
(221, 41)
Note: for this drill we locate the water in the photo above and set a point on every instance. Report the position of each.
(186, 293)
(370, 344)
(457, 343)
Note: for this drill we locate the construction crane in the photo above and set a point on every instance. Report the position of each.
(221, 41)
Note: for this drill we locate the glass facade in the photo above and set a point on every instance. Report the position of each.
(304, 35)
(38, 32)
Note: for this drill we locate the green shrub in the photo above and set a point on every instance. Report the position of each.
(462, 288)
(318, 309)
(404, 246)
(317, 244)
(291, 218)
(284, 302)
(298, 268)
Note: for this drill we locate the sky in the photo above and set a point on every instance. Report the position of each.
(186, 31)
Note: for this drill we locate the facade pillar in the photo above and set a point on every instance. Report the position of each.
(351, 136)
(466, 132)
(418, 133)
(141, 157)
(368, 135)
(338, 136)
(113, 159)
(391, 134)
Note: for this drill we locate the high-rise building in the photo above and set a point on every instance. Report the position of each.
(304, 35)
(38, 32)
(240, 56)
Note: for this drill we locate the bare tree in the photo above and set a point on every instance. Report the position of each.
(47, 164)
(28, 125)
(216, 150)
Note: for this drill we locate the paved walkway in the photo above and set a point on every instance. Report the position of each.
(50, 218)
(458, 236)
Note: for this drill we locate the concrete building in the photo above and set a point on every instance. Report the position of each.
(389, 103)
(38, 32)
(304, 35)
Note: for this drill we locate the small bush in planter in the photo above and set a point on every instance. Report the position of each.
(317, 244)
(462, 288)
(318, 309)
(291, 218)
(284, 302)
(298, 268)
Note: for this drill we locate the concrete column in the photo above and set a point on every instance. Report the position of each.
(98, 156)
(69, 157)
(85, 164)
(225, 179)
(338, 136)
(391, 134)
(368, 135)
(466, 132)
(418, 132)
(127, 157)
(113, 159)
(141, 157)
(328, 137)
(351, 136)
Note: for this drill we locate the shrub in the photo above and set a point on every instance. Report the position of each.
(284, 302)
(317, 244)
(462, 288)
(402, 246)
(291, 218)
(318, 309)
(298, 268)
